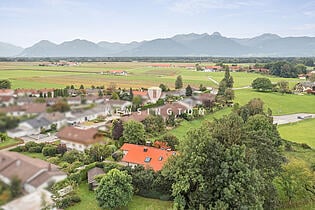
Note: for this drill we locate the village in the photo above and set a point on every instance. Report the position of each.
(76, 133)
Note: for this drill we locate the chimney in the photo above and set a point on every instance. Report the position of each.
(145, 149)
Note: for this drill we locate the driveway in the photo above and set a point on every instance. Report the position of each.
(291, 118)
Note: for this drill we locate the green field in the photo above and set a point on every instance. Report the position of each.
(140, 74)
(88, 201)
(278, 103)
(181, 130)
(301, 132)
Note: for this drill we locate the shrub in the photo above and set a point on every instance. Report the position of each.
(76, 177)
(50, 150)
(305, 146)
(36, 149)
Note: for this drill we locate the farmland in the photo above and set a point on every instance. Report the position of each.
(140, 74)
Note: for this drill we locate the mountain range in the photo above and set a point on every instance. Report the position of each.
(180, 45)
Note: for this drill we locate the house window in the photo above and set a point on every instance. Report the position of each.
(147, 159)
(160, 158)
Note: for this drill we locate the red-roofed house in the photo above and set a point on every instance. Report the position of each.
(165, 65)
(212, 68)
(149, 157)
(6, 92)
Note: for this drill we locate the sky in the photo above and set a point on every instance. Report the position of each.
(25, 22)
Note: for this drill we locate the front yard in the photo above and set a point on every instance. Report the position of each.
(8, 143)
(88, 201)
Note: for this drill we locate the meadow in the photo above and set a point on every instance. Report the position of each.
(278, 103)
(140, 74)
(300, 132)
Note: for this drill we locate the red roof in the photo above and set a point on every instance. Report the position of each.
(213, 67)
(136, 154)
(139, 93)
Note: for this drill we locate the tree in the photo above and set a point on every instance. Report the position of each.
(188, 91)
(229, 94)
(15, 187)
(228, 78)
(5, 84)
(134, 132)
(296, 181)
(262, 84)
(283, 87)
(312, 77)
(202, 88)
(171, 140)
(163, 87)
(154, 124)
(130, 94)
(81, 87)
(115, 96)
(60, 106)
(198, 67)
(179, 82)
(98, 152)
(136, 102)
(117, 129)
(208, 174)
(142, 179)
(115, 190)
(72, 87)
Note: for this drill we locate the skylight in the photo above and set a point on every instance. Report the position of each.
(147, 159)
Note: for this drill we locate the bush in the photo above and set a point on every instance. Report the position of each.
(54, 160)
(305, 146)
(50, 150)
(76, 177)
(36, 149)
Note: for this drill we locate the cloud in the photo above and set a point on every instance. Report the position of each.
(198, 6)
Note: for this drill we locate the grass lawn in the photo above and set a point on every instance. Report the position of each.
(88, 201)
(301, 132)
(278, 103)
(9, 142)
(181, 130)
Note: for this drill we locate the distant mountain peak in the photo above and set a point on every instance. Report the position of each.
(216, 34)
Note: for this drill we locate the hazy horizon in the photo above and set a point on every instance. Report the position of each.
(27, 22)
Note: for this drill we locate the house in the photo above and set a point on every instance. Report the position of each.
(6, 100)
(14, 111)
(117, 106)
(33, 173)
(93, 99)
(307, 86)
(212, 68)
(22, 100)
(205, 99)
(149, 157)
(29, 127)
(92, 173)
(74, 100)
(118, 72)
(30, 201)
(79, 138)
(34, 126)
(80, 116)
(6, 92)
(25, 92)
(175, 109)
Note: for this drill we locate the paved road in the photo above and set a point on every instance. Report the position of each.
(291, 118)
(213, 80)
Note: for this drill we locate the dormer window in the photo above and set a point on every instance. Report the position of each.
(160, 158)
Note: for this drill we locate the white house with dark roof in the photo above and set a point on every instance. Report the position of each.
(33, 173)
